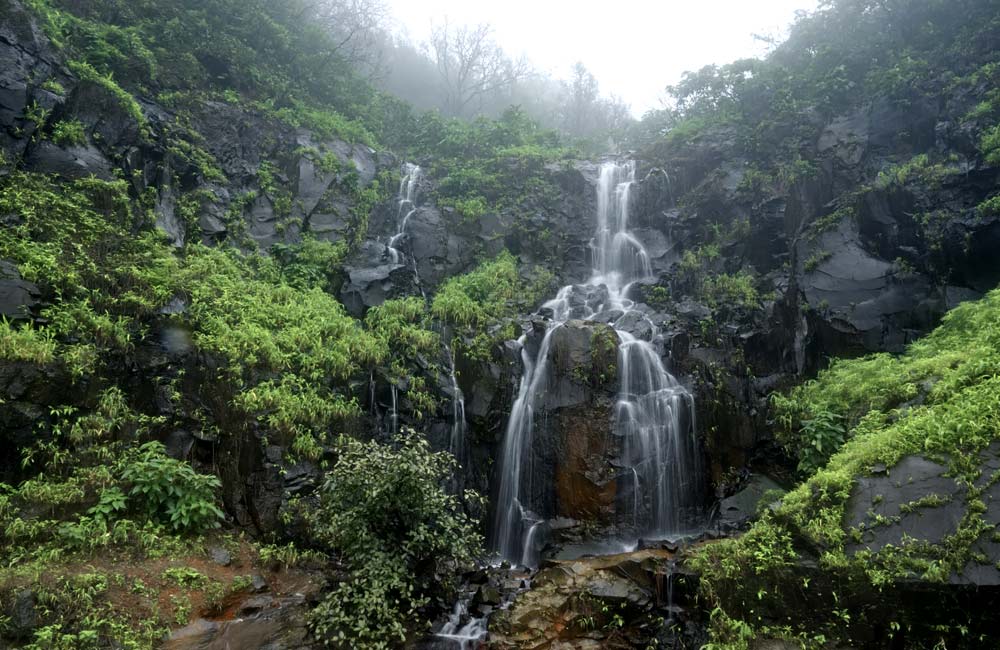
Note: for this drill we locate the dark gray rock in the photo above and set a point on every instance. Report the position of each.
(263, 222)
(846, 138)
(372, 279)
(68, 162)
(17, 297)
(179, 444)
(167, 219)
(881, 506)
(23, 615)
(741, 508)
(864, 297)
(220, 556)
(26, 59)
(438, 250)
(637, 324)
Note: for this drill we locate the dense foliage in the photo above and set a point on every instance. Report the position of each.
(846, 53)
(940, 399)
(402, 537)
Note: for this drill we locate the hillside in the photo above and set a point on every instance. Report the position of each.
(285, 363)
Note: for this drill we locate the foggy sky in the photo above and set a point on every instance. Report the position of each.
(635, 49)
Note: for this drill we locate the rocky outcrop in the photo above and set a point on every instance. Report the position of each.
(608, 602)
(573, 416)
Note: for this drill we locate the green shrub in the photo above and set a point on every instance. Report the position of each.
(990, 145)
(404, 328)
(311, 263)
(730, 292)
(822, 435)
(86, 72)
(68, 133)
(989, 208)
(476, 298)
(171, 491)
(26, 343)
(402, 537)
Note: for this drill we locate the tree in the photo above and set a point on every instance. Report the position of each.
(357, 27)
(583, 94)
(472, 66)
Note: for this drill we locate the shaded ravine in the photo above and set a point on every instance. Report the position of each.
(654, 413)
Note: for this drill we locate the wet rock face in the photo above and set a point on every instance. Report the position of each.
(25, 55)
(17, 296)
(918, 502)
(575, 417)
(255, 621)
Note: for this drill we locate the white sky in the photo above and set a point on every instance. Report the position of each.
(635, 49)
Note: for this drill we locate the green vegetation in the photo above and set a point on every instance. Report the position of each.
(990, 145)
(261, 327)
(401, 536)
(166, 489)
(815, 260)
(86, 72)
(932, 371)
(479, 305)
(918, 169)
(68, 133)
(940, 399)
(26, 344)
(488, 165)
(989, 208)
(731, 292)
(835, 60)
(402, 327)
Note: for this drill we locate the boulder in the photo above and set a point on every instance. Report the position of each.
(372, 278)
(71, 163)
(17, 297)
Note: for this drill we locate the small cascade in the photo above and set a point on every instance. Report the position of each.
(654, 414)
(462, 631)
(407, 206)
(394, 414)
(456, 443)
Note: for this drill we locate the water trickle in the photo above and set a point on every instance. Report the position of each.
(654, 413)
(394, 414)
(458, 424)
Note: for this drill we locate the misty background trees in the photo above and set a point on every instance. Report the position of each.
(463, 72)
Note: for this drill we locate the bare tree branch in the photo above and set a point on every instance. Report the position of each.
(472, 66)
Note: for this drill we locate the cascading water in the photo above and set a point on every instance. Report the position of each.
(456, 443)
(407, 202)
(654, 413)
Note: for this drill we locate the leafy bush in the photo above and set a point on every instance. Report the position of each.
(823, 434)
(730, 292)
(400, 534)
(171, 491)
(26, 343)
(482, 295)
(989, 208)
(404, 328)
(68, 133)
(311, 263)
(990, 145)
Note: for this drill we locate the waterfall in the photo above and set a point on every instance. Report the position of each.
(654, 413)
(407, 205)
(456, 444)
